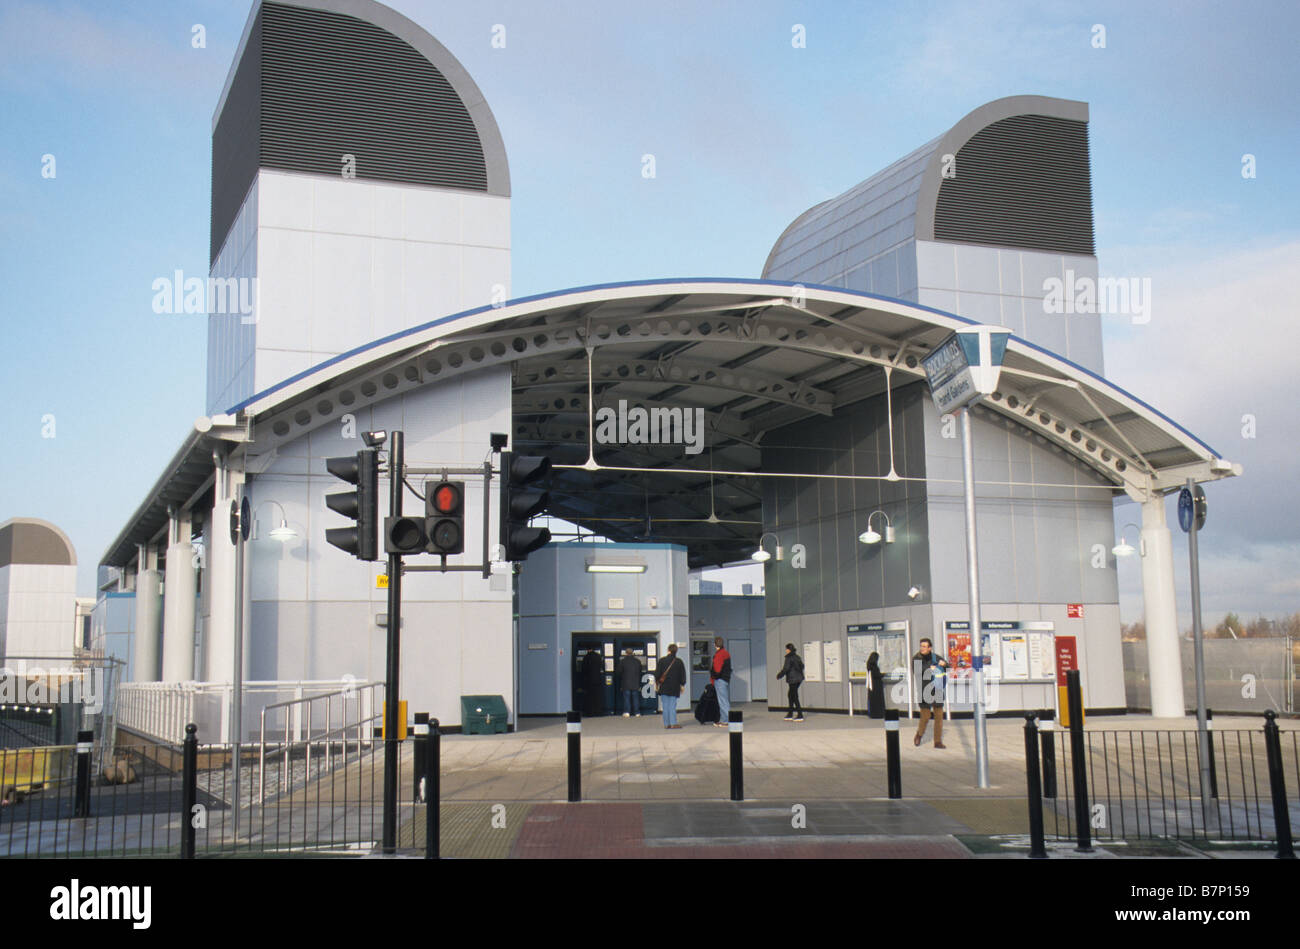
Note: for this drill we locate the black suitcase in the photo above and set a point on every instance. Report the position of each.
(706, 709)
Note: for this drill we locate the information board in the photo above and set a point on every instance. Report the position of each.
(812, 662)
(861, 645)
(1014, 651)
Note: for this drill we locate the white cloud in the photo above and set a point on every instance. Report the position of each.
(1220, 346)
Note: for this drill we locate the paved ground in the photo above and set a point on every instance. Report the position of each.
(827, 757)
(812, 789)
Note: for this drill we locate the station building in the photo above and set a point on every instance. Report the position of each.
(360, 179)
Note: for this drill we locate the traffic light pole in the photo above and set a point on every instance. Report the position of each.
(396, 474)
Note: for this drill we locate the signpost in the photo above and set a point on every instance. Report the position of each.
(1191, 518)
(1067, 660)
(962, 370)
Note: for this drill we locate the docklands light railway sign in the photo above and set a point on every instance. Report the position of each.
(965, 367)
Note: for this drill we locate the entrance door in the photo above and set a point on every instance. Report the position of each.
(597, 688)
(589, 675)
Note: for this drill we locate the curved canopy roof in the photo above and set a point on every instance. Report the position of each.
(755, 355)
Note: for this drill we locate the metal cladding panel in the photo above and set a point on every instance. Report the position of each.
(1024, 181)
(314, 86)
(826, 516)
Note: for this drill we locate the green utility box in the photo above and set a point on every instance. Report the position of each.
(482, 714)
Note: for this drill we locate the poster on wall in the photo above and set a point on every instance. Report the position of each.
(831, 661)
(1041, 657)
(893, 652)
(812, 662)
(958, 650)
(1015, 657)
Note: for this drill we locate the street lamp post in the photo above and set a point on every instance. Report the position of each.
(961, 370)
(241, 525)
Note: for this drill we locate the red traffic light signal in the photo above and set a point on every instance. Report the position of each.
(444, 509)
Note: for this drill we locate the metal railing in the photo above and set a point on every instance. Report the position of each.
(161, 710)
(298, 728)
(1145, 783)
(335, 809)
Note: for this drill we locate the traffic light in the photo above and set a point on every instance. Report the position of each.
(444, 509)
(522, 499)
(362, 505)
(403, 535)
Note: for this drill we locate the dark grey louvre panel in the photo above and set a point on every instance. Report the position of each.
(1022, 182)
(327, 85)
(235, 141)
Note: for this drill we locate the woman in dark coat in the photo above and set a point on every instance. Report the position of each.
(593, 681)
(792, 672)
(875, 687)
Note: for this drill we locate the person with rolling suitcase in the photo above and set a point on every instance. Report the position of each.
(706, 709)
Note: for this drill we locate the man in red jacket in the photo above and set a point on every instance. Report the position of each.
(720, 676)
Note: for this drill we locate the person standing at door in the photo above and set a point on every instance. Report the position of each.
(720, 677)
(875, 687)
(670, 676)
(930, 666)
(792, 672)
(593, 681)
(629, 675)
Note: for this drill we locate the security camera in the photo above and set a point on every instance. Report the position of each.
(913, 593)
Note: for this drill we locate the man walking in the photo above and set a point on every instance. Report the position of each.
(720, 676)
(629, 674)
(670, 676)
(929, 668)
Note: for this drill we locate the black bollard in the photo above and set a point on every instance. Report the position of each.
(1036, 848)
(85, 746)
(1048, 730)
(1277, 785)
(1078, 761)
(1209, 743)
(420, 746)
(736, 729)
(893, 769)
(189, 789)
(433, 793)
(574, 728)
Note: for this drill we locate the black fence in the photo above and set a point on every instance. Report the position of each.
(294, 798)
(1147, 783)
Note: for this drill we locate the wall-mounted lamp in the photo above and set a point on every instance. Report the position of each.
(284, 533)
(1124, 548)
(869, 536)
(761, 555)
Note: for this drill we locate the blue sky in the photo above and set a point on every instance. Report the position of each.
(747, 132)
